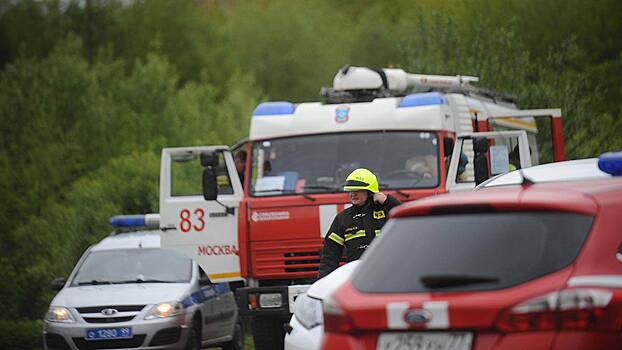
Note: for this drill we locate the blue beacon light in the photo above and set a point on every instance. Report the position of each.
(422, 99)
(611, 163)
(275, 108)
(127, 221)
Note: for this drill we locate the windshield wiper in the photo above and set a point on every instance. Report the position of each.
(332, 189)
(93, 282)
(141, 280)
(270, 190)
(444, 281)
(281, 191)
(386, 187)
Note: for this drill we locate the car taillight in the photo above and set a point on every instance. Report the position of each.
(569, 309)
(335, 319)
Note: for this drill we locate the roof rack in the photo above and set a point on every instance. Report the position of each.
(362, 84)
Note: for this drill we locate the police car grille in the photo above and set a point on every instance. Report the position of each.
(166, 336)
(108, 319)
(119, 308)
(56, 342)
(134, 342)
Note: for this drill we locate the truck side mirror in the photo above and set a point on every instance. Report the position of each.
(210, 186)
(480, 162)
(448, 146)
(58, 283)
(209, 159)
(480, 145)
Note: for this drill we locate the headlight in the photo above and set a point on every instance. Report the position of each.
(308, 311)
(270, 300)
(59, 314)
(165, 310)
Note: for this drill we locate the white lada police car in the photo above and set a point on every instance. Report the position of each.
(126, 292)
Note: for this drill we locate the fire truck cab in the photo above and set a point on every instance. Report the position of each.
(420, 134)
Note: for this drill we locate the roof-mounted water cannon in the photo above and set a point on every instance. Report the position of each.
(439, 81)
(362, 78)
(362, 84)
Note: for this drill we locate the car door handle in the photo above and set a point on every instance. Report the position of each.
(167, 228)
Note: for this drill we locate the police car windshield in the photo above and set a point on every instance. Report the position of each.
(133, 266)
(321, 163)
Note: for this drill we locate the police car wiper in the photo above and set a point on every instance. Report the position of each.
(93, 282)
(141, 280)
(445, 281)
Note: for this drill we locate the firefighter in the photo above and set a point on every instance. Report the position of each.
(355, 227)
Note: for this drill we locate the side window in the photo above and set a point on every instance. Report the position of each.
(538, 135)
(222, 176)
(485, 156)
(465, 166)
(186, 175)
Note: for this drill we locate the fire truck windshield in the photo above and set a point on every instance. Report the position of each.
(320, 163)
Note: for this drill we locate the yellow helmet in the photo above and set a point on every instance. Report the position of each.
(361, 179)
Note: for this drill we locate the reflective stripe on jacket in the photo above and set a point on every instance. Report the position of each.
(354, 229)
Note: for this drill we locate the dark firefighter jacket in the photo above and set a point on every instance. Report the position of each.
(354, 229)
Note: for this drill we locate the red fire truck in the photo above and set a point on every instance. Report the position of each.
(263, 229)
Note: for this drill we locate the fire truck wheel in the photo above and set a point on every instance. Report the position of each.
(268, 332)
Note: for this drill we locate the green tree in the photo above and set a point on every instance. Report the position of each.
(82, 144)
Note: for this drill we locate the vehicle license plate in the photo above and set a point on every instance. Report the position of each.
(425, 340)
(108, 333)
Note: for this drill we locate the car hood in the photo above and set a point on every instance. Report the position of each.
(325, 286)
(121, 294)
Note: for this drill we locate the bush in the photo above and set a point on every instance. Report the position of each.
(21, 334)
(83, 144)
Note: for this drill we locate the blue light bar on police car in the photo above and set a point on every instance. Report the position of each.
(275, 108)
(611, 163)
(135, 221)
(423, 99)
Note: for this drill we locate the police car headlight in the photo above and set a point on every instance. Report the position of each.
(59, 314)
(165, 310)
(308, 311)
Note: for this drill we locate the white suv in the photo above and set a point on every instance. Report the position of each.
(127, 292)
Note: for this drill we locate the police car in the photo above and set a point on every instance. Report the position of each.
(127, 292)
(571, 170)
(306, 326)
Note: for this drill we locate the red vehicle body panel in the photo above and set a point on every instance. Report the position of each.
(289, 246)
(479, 312)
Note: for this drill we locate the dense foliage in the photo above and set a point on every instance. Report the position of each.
(90, 91)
